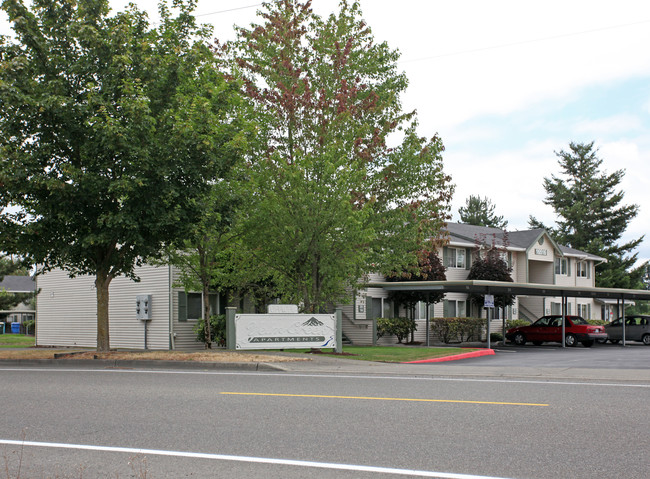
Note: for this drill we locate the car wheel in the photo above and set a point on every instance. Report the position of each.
(519, 339)
(646, 339)
(614, 341)
(588, 344)
(601, 341)
(537, 343)
(570, 340)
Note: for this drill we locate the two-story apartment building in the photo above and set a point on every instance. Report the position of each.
(67, 314)
(534, 258)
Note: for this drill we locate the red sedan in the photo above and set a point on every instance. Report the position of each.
(549, 329)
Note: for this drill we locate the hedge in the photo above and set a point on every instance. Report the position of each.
(450, 330)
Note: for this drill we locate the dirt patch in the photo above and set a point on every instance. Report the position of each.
(198, 356)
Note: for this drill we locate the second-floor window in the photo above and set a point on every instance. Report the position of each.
(562, 266)
(582, 269)
(456, 258)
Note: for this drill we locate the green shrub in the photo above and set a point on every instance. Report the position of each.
(496, 337)
(597, 322)
(217, 329)
(454, 330)
(515, 323)
(446, 329)
(400, 327)
(471, 329)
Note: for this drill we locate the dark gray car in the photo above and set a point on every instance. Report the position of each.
(637, 328)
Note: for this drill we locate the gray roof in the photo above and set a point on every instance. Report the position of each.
(18, 284)
(463, 233)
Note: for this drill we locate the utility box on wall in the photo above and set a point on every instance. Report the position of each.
(143, 307)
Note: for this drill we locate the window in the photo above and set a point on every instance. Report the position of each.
(190, 305)
(455, 309)
(194, 306)
(584, 310)
(582, 269)
(455, 258)
(556, 308)
(562, 266)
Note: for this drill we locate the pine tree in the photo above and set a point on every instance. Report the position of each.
(480, 212)
(590, 215)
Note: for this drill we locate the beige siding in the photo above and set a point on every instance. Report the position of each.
(542, 252)
(67, 315)
(521, 270)
(456, 274)
(540, 272)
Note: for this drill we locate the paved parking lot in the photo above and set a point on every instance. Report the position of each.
(599, 356)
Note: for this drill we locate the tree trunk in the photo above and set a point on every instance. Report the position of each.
(207, 327)
(205, 283)
(102, 282)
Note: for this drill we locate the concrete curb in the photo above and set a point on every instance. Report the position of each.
(473, 354)
(144, 364)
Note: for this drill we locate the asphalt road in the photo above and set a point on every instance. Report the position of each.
(118, 423)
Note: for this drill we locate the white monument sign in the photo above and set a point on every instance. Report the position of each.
(285, 331)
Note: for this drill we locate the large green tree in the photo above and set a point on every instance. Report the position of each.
(332, 200)
(590, 215)
(110, 129)
(480, 212)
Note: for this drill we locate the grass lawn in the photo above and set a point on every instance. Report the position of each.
(16, 341)
(397, 354)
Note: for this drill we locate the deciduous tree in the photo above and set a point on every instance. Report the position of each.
(489, 264)
(109, 132)
(332, 201)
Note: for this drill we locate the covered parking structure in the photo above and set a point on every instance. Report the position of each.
(518, 289)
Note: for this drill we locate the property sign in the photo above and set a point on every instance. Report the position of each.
(488, 301)
(285, 331)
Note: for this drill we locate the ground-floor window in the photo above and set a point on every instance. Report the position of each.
(584, 310)
(190, 305)
(454, 308)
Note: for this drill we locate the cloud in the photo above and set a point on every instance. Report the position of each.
(622, 123)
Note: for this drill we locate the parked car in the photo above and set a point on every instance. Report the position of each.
(549, 329)
(637, 328)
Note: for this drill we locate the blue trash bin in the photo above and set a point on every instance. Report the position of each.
(15, 328)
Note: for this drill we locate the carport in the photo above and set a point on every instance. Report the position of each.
(518, 289)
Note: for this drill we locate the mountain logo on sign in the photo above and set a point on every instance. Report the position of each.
(312, 322)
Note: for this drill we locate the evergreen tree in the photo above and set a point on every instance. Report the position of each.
(480, 212)
(590, 216)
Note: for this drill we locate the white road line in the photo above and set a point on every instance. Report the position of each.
(259, 460)
(340, 376)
